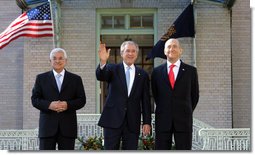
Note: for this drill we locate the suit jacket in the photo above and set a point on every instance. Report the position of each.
(175, 106)
(118, 105)
(45, 91)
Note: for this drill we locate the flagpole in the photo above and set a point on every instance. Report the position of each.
(194, 39)
(194, 53)
(58, 23)
(55, 15)
(53, 22)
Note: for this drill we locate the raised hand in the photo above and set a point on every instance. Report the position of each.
(103, 54)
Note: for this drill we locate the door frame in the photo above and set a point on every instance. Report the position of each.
(125, 31)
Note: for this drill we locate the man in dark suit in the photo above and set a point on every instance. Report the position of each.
(58, 94)
(128, 98)
(176, 93)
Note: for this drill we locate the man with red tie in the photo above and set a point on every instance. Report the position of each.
(176, 92)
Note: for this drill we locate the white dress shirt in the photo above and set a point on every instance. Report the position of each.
(175, 69)
(132, 75)
(61, 77)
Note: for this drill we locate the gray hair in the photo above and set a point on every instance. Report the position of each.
(177, 40)
(122, 47)
(55, 50)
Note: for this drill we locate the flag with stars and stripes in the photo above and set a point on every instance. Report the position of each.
(35, 23)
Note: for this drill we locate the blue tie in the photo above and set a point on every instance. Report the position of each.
(58, 81)
(128, 77)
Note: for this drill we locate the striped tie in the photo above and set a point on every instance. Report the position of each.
(128, 77)
(58, 81)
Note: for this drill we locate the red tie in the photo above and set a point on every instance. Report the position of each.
(171, 76)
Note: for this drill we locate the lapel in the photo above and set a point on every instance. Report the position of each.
(136, 80)
(182, 70)
(53, 81)
(165, 75)
(65, 80)
(122, 77)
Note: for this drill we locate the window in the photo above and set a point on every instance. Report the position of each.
(145, 21)
(118, 25)
(111, 22)
(127, 21)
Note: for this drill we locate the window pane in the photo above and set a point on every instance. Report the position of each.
(146, 51)
(112, 56)
(139, 58)
(106, 22)
(140, 66)
(118, 21)
(148, 21)
(148, 68)
(119, 58)
(135, 21)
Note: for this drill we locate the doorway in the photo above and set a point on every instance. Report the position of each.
(114, 42)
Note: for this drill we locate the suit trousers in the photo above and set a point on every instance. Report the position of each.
(182, 140)
(114, 137)
(64, 143)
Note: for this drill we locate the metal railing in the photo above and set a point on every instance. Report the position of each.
(19, 139)
(237, 139)
(205, 137)
(88, 127)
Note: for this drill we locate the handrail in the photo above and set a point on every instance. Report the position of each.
(205, 137)
(226, 139)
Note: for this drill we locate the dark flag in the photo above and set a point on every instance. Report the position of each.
(182, 27)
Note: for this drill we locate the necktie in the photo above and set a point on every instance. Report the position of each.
(58, 81)
(171, 76)
(128, 77)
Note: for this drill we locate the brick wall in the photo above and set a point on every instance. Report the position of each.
(218, 47)
(214, 65)
(241, 63)
(11, 67)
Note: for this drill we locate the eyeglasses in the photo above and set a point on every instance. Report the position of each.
(56, 59)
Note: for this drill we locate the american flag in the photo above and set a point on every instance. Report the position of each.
(33, 23)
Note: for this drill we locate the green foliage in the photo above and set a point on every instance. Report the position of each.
(146, 143)
(96, 143)
(92, 143)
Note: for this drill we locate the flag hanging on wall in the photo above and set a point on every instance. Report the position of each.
(183, 26)
(34, 23)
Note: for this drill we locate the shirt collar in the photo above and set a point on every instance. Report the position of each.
(177, 63)
(62, 72)
(125, 66)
